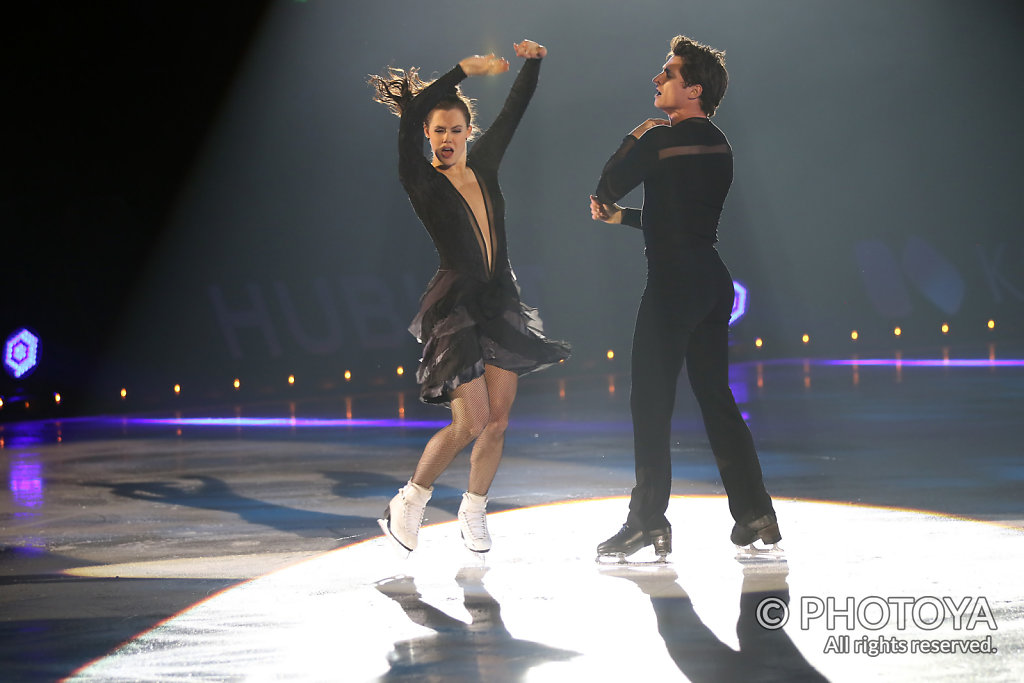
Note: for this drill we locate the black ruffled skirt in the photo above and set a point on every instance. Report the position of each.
(464, 324)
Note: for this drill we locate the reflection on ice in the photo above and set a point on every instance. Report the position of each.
(458, 650)
(763, 654)
(25, 479)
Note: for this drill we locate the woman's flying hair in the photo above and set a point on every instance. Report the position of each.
(397, 88)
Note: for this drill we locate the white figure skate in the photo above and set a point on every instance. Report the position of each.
(404, 515)
(473, 522)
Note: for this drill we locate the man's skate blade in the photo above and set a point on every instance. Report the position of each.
(752, 554)
(616, 561)
(392, 541)
(636, 559)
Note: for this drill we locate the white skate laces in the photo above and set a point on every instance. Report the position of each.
(405, 514)
(473, 522)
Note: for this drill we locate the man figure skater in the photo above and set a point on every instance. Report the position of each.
(685, 165)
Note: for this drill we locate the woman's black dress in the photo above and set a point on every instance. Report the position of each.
(470, 315)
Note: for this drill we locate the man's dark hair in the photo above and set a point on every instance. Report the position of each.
(705, 66)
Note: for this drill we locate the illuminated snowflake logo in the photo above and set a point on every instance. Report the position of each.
(21, 353)
(739, 302)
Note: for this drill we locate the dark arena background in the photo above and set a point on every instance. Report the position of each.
(202, 221)
(196, 194)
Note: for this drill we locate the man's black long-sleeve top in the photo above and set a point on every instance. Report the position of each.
(686, 170)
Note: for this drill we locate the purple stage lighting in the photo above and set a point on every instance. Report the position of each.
(21, 353)
(384, 423)
(739, 301)
(932, 362)
(26, 482)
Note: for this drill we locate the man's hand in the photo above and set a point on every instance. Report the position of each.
(609, 213)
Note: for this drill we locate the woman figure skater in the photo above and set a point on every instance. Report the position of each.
(477, 336)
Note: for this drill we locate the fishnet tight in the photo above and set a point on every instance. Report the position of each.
(480, 411)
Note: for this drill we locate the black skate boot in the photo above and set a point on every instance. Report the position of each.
(629, 540)
(765, 528)
(661, 539)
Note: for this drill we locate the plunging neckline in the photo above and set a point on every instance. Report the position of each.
(486, 254)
